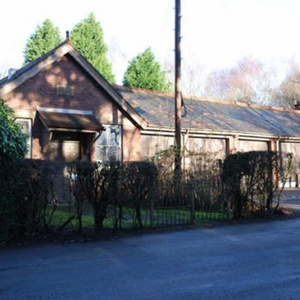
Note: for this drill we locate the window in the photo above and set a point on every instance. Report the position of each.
(108, 146)
(65, 90)
(26, 129)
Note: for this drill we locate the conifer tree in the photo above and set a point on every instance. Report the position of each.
(12, 140)
(45, 38)
(87, 38)
(145, 72)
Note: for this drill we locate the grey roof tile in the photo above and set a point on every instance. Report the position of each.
(157, 109)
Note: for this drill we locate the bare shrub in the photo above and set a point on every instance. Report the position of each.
(201, 180)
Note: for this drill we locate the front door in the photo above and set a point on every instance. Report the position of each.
(64, 146)
(64, 150)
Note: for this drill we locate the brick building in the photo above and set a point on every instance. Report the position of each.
(69, 111)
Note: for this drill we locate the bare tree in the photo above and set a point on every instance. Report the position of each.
(249, 80)
(118, 58)
(193, 79)
(288, 92)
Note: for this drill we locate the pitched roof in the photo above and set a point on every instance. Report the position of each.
(9, 83)
(152, 109)
(157, 108)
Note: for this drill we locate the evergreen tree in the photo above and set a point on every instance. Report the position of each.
(45, 38)
(87, 37)
(145, 72)
(12, 140)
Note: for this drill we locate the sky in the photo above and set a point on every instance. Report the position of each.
(215, 33)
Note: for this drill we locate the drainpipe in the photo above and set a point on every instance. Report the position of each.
(97, 137)
(94, 141)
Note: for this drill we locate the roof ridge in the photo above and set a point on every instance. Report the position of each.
(142, 90)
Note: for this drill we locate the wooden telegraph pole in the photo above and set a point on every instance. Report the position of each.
(178, 99)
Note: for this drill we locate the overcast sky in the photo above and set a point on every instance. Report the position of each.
(215, 33)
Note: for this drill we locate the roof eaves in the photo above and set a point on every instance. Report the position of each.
(216, 133)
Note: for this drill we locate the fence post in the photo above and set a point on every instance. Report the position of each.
(152, 193)
(191, 200)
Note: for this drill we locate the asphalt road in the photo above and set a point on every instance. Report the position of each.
(290, 198)
(250, 261)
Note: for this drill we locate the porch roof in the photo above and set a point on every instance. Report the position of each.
(72, 120)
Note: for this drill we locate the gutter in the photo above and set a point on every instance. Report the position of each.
(219, 134)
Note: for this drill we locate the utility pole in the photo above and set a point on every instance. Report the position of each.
(178, 99)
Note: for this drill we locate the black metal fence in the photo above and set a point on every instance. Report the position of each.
(142, 195)
(37, 195)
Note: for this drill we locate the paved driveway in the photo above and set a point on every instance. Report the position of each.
(252, 261)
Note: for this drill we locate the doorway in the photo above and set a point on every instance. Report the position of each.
(64, 146)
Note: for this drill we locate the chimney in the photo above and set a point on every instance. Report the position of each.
(297, 105)
(67, 36)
